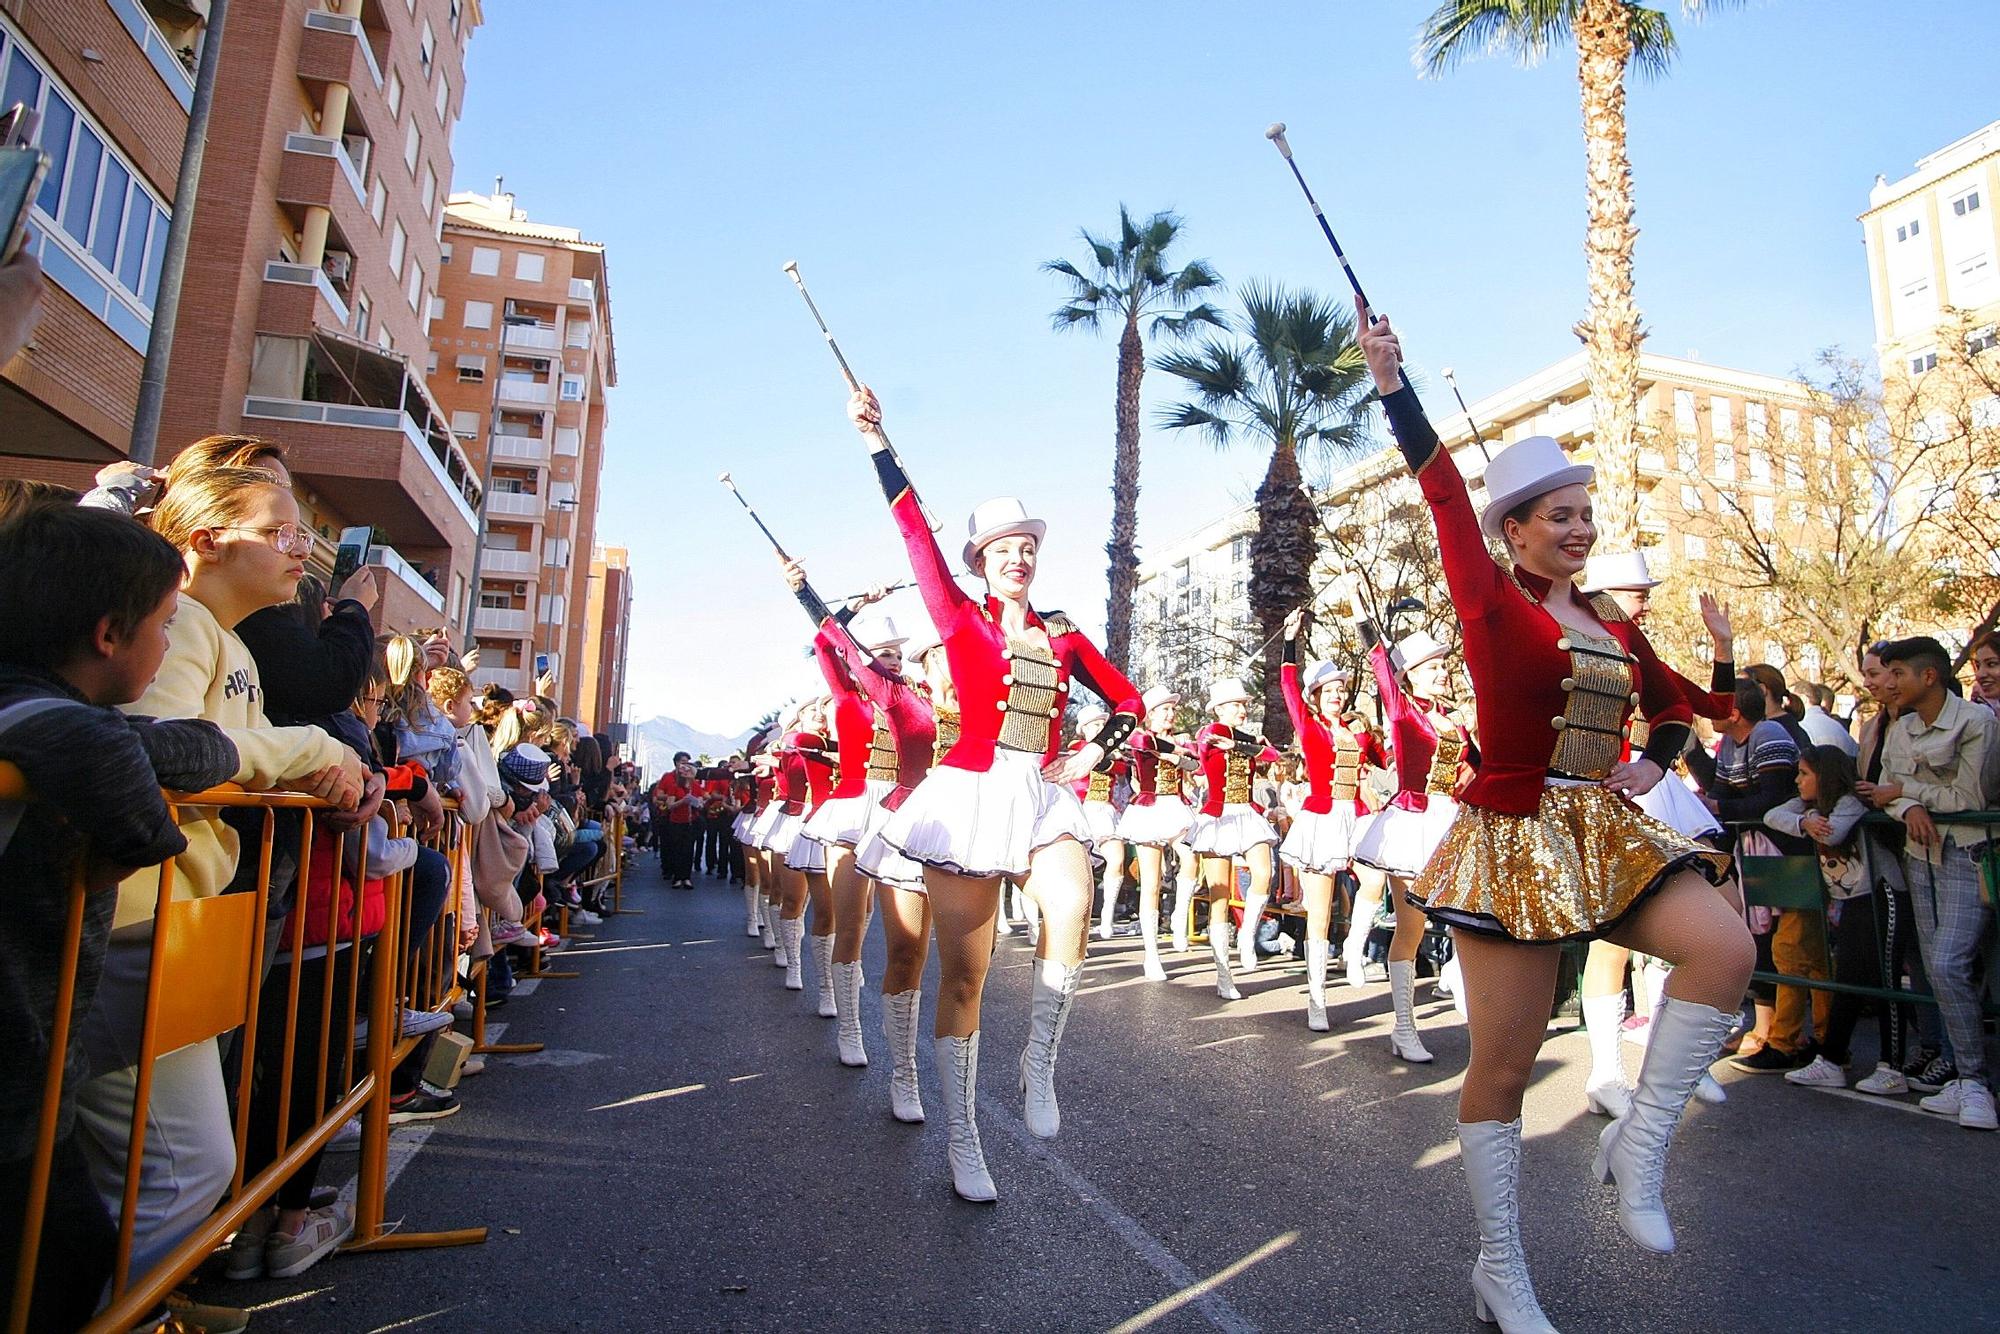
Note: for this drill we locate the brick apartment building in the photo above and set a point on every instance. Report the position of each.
(607, 622)
(113, 89)
(539, 407)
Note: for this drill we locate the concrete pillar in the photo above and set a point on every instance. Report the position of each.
(312, 249)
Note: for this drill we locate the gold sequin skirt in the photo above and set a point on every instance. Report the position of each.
(1571, 871)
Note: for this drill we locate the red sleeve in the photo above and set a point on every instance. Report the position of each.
(877, 684)
(943, 598)
(1476, 582)
(1105, 681)
(1394, 706)
(832, 666)
(1295, 700)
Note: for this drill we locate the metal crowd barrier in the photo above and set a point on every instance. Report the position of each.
(212, 951)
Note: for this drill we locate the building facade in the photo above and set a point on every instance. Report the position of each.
(531, 413)
(1712, 439)
(607, 637)
(112, 81)
(1933, 242)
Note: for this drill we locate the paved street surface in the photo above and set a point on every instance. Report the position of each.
(687, 1154)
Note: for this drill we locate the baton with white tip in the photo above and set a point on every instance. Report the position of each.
(1477, 439)
(847, 373)
(729, 482)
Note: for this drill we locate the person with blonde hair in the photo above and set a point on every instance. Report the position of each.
(240, 539)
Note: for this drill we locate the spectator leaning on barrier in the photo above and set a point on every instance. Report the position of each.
(1819, 723)
(242, 549)
(1942, 757)
(86, 598)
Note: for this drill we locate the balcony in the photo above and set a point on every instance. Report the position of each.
(305, 146)
(502, 620)
(388, 558)
(507, 562)
(334, 45)
(1568, 421)
(364, 432)
(522, 337)
(307, 275)
(159, 51)
(507, 678)
(518, 504)
(514, 390)
(583, 292)
(520, 448)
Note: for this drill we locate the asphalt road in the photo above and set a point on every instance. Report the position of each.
(688, 1154)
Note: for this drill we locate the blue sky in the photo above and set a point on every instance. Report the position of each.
(919, 161)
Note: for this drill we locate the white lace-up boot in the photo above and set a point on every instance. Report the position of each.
(1606, 1092)
(822, 948)
(1632, 1151)
(1049, 1005)
(847, 1013)
(1403, 1039)
(1502, 1293)
(899, 1026)
(1316, 952)
(958, 1068)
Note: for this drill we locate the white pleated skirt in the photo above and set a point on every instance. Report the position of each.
(766, 825)
(1162, 822)
(1400, 842)
(1102, 817)
(1321, 844)
(844, 820)
(1675, 805)
(986, 824)
(740, 826)
(1238, 829)
(804, 852)
(874, 858)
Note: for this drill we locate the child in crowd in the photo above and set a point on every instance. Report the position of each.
(87, 598)
(1940, 757)
(1828, 812)
(242, 547)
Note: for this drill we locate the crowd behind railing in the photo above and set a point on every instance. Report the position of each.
(262, 861)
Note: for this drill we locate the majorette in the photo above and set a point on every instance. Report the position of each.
(1157, 815)
(996, 806)
(1230, 825)
(1546, 846)
(1096, 790)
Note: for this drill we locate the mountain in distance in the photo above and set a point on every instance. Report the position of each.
(655, 741)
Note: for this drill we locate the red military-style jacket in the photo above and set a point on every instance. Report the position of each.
(805, 773)
(902, 707)
(1414, 737)
(853, 722)
(1097, 786)
(1321, 746)
(1149, 753)
(981, 659)
(1520, 659)
(1215, 763)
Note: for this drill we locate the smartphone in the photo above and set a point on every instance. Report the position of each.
(352, 554)
(21, 172)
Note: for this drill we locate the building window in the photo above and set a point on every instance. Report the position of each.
(437, 307)
(472, 370)
(427, 48)
(1986, 414)
(1684, 410)
(362, 314)
(485, 261)
(465, 424)
(1797, 512)
(1923, 361)
(378, 201)
(1725, 461)
(444, 253)
(479, 314)
(1760, 467)
(393, 91)
(430, 188)
(1909, 230)
(1695, 546)
(413, 145)
(1788, 423)
(1721, 420)
(1965, 203)
(444, 100)
(1980, 340)
(528, 267)
(398, 239)
(1690, 498)
(1766, 512)
(572, 389)
(1795, 474)
(415, 291)
(431, 364)
(1822, 433)
(457, 9)
(569, 441)
(1687, 455)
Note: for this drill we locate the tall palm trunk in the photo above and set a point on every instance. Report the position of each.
(1123, 575)
(1281, 557)
(1611, 329)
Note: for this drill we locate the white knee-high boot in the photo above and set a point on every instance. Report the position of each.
(899, 1026)
(1181, 913)
(1218, 944)
(847, 1013)
(822, 948)
(791, 933)
(767, 916)
(1316, 952)
(1632, 1151)
(958, 1069)
(1605, 1091)
(1403, 1039)
(1049, 1005)
(1657, 971)
(1354, 950)
(1502, 1293)
(1246, 939)
(1149, 932)
(753, 917)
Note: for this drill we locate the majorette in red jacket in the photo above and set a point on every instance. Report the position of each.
(1215, 762)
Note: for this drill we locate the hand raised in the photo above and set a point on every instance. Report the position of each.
(795, 575)
(1380, 346)
(865, 410)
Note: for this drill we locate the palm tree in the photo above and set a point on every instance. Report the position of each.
(1293, 380)
(1128, 280)
(1611, 37)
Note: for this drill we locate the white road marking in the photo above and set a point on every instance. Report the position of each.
(1168, 1305)
(650, 1097)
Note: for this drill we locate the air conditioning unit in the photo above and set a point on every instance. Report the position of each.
(520, 590)
(339, 265)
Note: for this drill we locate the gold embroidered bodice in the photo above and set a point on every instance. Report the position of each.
(1033, 680)
(1600, 688)
(883, 762)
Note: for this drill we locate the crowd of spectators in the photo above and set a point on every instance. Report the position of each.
(164, 633)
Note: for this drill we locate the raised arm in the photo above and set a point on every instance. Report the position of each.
(1288, 676)
(943, 598)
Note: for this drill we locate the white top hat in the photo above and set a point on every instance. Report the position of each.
(1626, 569)
(1524, 470)
(876, 633)
(1319, 674)
(998, 518)
(1087, 721)
(1158, 695)
(1416, 648)
(920, 643)
(1228, 690)
(788, 717)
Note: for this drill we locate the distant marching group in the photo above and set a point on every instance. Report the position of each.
(932, 775)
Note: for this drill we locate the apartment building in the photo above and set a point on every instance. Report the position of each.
(522, 358)
(1711, 437)
(607, 636)
(112, 80)
(1933, 242)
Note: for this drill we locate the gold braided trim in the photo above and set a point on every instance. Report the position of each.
(1346, 767)
(1100, 787)
(1598, 694)
(1443, 775)
(1034, 684)
(883, 762)
(1236, 772)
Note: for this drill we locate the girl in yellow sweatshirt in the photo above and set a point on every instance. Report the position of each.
(240, 534)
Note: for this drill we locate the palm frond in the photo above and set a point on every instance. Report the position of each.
(1218, 429)
(1078, 315)
(1653, 42)
(1462, 30)
(1184, 324)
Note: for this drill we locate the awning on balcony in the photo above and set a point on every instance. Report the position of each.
(343, 369)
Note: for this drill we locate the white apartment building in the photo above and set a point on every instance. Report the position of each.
(1933, 241)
